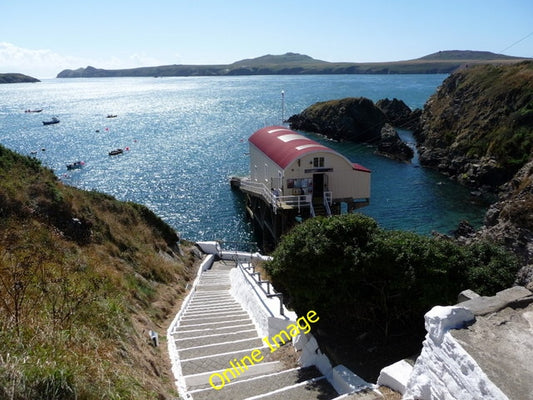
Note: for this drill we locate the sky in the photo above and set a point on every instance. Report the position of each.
(41, 38)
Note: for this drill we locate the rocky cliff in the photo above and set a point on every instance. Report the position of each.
(478, 129)
(510, 220)
(353, 119)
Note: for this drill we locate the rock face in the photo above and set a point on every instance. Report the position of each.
(353, 119)
(391, 145)
(510, 220)
(399, 114)
(478, 127)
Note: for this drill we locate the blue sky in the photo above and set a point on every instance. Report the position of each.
(41, 38)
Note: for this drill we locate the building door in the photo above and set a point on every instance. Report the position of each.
(318, 186)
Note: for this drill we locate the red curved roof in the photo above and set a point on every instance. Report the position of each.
(283, 145)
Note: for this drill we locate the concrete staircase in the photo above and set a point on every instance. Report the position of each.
(214, 329)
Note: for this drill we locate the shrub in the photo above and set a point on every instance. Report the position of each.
(372, 280)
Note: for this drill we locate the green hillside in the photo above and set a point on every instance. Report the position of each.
(83, 278)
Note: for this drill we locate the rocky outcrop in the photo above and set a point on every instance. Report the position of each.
(399, 114)
(509, 221)
(391, 145)
(353, 119)
(17, 78)
(478, 127)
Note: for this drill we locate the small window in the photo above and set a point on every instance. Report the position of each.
(318, 162)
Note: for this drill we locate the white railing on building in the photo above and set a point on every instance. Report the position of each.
(328, 198)
(273, 197)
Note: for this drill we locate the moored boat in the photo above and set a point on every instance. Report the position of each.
(54, 120)
(75, 165)
(116, 152)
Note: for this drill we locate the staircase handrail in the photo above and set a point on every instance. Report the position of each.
(328, 197)
(259, 282)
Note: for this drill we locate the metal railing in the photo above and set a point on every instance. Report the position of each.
(269, 292)
(328, 198)
(273, 198)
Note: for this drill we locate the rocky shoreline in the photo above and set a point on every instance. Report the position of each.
(476, 129)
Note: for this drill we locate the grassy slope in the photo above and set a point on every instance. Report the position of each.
(83, 277)
(485, 111)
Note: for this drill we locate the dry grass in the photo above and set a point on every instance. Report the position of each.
(83, 278)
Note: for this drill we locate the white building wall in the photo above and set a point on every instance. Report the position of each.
(343, 180)
(263, 169)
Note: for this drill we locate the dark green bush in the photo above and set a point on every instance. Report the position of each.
(348, 269)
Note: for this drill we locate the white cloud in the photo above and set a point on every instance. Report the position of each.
(45, 63)
(41, 63)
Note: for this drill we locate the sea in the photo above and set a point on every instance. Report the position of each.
(184, 137)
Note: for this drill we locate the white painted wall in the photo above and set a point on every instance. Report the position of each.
(344, 181)
(444, 370)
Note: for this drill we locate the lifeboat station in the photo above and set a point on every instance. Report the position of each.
(292, 178)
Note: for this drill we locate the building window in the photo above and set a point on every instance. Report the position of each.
(318, 162)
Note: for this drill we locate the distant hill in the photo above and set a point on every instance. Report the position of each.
(450, 55)
(16, 78)
(300, 64)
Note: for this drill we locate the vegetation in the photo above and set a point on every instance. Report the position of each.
(83, 277)
(369, 283)
(483, 112)
(298, 64)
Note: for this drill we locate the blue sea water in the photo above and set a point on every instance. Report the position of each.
(187, 136)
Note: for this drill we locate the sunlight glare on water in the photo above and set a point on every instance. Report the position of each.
(186, 136)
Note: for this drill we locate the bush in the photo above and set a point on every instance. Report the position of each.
(372, 280)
